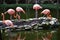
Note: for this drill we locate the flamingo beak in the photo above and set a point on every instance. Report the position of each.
(23, 11)
(5, 12)
(2, 14)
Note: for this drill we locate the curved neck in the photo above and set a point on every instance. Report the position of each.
(49, 16)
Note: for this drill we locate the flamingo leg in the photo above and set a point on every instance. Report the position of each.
(36, 14)
(10, 17)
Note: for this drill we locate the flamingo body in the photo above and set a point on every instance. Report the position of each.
(11, 11)
(19, 9)
(37, 7)
(46, 11)
(8, 22)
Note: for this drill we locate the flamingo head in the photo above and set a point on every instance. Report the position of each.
(19, 9)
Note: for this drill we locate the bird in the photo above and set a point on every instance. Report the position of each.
(19, 9)
(36, 7)
(7, 22)
(46, 12)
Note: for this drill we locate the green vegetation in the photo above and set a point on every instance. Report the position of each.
(28, 35)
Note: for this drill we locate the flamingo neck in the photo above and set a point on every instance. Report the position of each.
(49, 16)
(3, 18)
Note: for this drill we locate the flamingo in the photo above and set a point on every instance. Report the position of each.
(46, 12)
(36, 7)
(19, 9)
(10, 12)
(7, 22)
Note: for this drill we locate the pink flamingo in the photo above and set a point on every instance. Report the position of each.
(46, 12)
(11, 12)
(36, 7)
(19, 9)
(7, 22)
